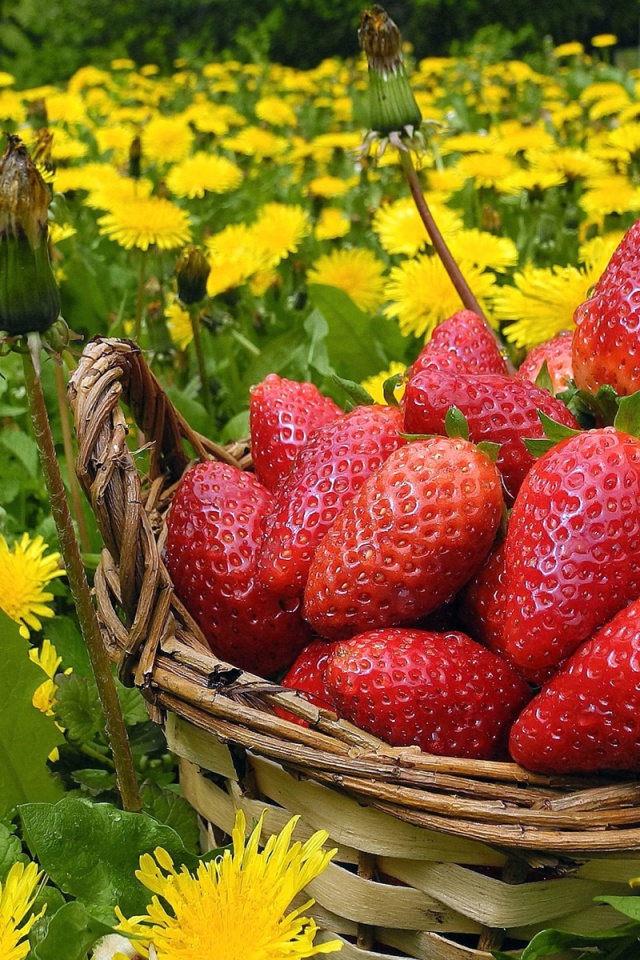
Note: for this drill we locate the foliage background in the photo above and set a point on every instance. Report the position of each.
(45, 43)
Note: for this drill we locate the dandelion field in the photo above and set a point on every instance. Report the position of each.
(320, 269)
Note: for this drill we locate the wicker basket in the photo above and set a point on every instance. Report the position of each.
(438, 858)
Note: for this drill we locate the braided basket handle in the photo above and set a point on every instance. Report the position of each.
(110, 373)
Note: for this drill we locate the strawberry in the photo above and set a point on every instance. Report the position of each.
(307, 676)
(214, 530)
(573, 546)
(481, 602)
(557, 354)
(419, 528)
(606, 343)
(497, 408)
(441, 691)
(326, 474)
(461, 344)
(282, 414)
(588, 717)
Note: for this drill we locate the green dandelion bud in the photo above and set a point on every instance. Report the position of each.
(135, 158)
(29, 295)
(192, 272)
(392, 105)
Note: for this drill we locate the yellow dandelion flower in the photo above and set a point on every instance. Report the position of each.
(262, 280)
(68, 108)
(487, 169)
(203, 173)
(58, 232)
(626, 140)
(572, 162)
(12, 107)
(533, 180)
(484, 250)
(85, 177)
(65, 148)
(573, 49)
(24, 572)
(445, 181)
(88, 77)
(235, 256)
(542, 302)
(122, 63)
(118, 191)
(167, 139)
(596, 253)
(609, 107)
(358, 272)
(515, 137)
(276, 111)
(329, 187)
(400, 229)
(258, 143)
(144, 222)
(332, 223)
(47, 659)
(280, 228)
(613, 194)
(179, 325)
(375, 385)
(604, 40)
(469, 143)
(117, 138)
(6, 79)
(17, 895)
(235, 906)
(422, 295)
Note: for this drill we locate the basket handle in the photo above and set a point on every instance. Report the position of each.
(110, 373)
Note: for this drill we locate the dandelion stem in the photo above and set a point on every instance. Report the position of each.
(142, 279)
(74, 487)
(455, 274)
(202, 367)
(87, 617)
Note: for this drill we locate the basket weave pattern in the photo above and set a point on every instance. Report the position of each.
(438, 858)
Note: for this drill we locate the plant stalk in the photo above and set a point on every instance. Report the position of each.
(455, 274)
(87, 617)
(67, 442)
(202, 367)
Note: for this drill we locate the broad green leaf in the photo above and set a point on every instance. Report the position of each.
(27, 737)
(627, 419)
(23, 447)
(353, 350)
(555, 431)
(95, 779)
(237, 428)
(174, 811)
(91, 851)
(354, 391)
(629, 906)
(64, 634)
(78, 708)
(549, 943)
(455, 423)
(543, 379)
(71, 933)
(317, 328)
(50, 898)
(10, 851)
(132, 703)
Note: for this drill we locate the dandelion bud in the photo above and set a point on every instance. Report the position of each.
(135, 158)
(192, 271)
(392, 104)
(29, 295)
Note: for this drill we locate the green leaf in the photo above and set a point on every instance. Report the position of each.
(352, 348)
(543, 379)
(491, 449)
(92, 850)
(132, 703)
(627, 419)
(24, 447)
(455, 423)
(174, 811)
(27, 737)
(95, 779)
(71, 933)
(10, 851)
(554, 432)
(237, 428)
(51, 898)
(78, 708)
(64, 635)
(549, 943)
(354, 391)
(629, 906)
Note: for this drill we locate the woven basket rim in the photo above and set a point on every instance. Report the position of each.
(159, 648)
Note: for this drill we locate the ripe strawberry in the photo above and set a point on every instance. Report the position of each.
(441, 691)
(326, 474)
(588, 717)
(606, 343)
(214, 530)
(419, 528)
(461, 344)
(557, 354)
(481, 602)
(573, 546)
(307, 676)
(282, 414)
(497, 408)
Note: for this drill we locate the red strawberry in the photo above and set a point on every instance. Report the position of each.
(420, 527)
(606, 343)
(214, 530)
(573, 546)
(588, 717)
(307, 676)
(326, 474)
(497, 408)
(282, 414)
(557, 354)
(481, 602)
(441, 691)
(462, 344)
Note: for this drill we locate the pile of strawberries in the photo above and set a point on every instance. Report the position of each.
(419, 570)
